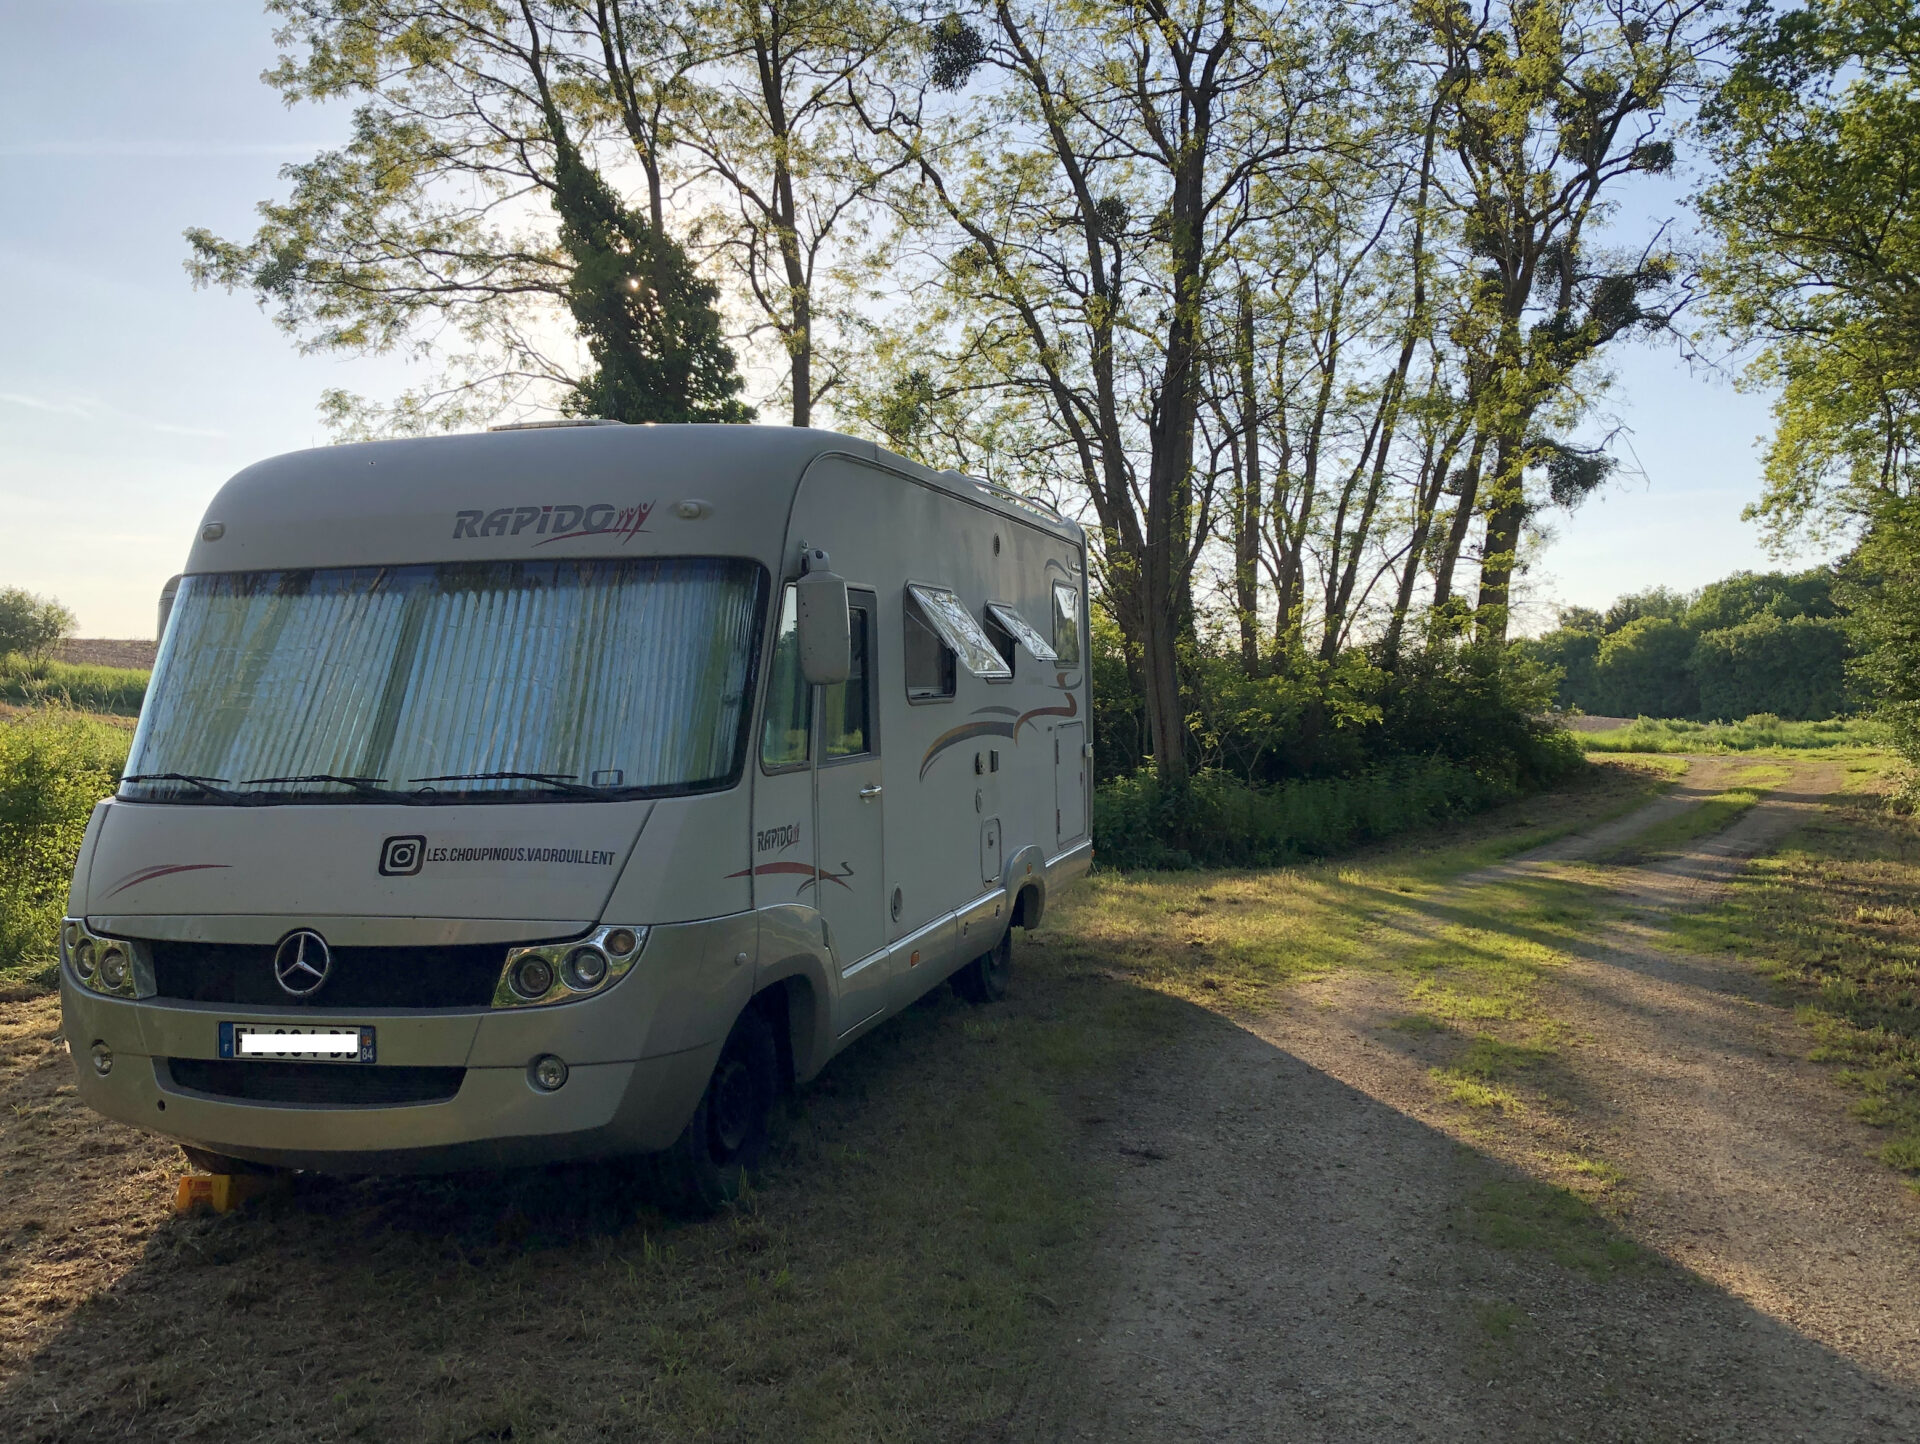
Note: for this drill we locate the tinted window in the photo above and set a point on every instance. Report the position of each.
(1066, 624)
(929, 661)
(846, 709)
(783, 735)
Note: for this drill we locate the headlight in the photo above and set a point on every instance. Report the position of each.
(111, 966)
(562, 972)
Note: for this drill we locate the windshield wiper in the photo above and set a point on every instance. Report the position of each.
(559, 781)
(205, 784)
(365, 786)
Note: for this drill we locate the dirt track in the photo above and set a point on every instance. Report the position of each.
(1301, 1245)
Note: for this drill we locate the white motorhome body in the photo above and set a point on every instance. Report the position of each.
(478, 797)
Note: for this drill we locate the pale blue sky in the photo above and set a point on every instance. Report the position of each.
(126, 397)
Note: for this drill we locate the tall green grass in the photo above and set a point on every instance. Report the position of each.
(1221, 821)
(1761, 731)
(33, 682)
(54, 766)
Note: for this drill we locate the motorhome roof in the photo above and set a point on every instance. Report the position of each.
(384, 502)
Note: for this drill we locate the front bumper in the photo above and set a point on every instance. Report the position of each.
(639, 1057)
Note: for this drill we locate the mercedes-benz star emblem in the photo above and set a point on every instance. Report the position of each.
(301, 963)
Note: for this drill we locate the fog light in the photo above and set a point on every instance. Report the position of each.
(532, 976)
(71, 933)
(622, 941)
(102, 1059)
(586, 967)
(83, 958)
(113, 969)
(548, 1073)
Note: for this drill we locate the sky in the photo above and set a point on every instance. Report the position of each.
(127, 398)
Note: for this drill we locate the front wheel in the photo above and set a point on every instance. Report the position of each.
(727, 1135)
(985, 979)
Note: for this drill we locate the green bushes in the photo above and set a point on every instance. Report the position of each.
(1221, 821)
(1320, 757)
(1751, 642)
(53, 767)
(29, 681)
(1763, 730)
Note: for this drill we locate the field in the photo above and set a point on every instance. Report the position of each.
(1373, 1145)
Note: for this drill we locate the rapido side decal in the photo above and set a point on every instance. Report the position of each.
(553, 522)
(1002, 722)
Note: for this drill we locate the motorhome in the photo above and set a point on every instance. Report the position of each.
(565, 791)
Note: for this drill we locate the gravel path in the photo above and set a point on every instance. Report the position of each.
(1297, 1252)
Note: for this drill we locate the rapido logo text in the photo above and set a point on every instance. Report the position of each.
(553, 522)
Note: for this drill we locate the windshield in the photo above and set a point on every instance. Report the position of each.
(585, 678)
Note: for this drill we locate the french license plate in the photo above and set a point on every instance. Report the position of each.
(335, 1043)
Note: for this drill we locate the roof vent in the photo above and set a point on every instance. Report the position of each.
(558, 421)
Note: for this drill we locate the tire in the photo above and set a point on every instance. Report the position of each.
(726, 1139)
(985, 979)
(203, 1160)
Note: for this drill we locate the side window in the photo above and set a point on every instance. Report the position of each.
(929, 661)
(783, 735)
(846, 709)
(1066, 624)
(1003, 642)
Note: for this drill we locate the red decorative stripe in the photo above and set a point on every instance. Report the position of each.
(148, 874)
(804, 869)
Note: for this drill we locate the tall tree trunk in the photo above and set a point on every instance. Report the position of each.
(1427, 492)
(797, 330)
(1463, 514)
(1499, 555)
(1246, 532)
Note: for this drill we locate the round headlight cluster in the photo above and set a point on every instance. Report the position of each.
(531, 977)
(103, 965)
(562, 972)
(586, 968)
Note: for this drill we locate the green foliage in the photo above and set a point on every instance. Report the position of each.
(30, 682)
(648, 318)
(1815, 133)
(53, 767)
(1881, 589)
(30, 624)
(1328, 756)
(1643, 669)
(1795, 668)
(1744, 596)
(1751, 642)
(1221, 821)
(1762, 732)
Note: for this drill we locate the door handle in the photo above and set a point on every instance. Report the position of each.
(869, 792)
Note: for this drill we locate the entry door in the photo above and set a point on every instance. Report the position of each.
(848, 807)
(1069, 782)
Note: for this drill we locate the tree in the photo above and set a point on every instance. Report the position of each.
(1088, 194)
(1792, 667)
(1556, 103)
(647, 318)
(425, 233)
(1642, 670)
(1817, 139)
(30, 624)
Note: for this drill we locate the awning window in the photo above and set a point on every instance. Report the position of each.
(1018, 627)
(949, 616)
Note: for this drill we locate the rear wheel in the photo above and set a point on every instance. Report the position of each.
(985, 979)
(727, 1136)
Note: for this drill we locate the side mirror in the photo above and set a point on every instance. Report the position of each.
(824, 630)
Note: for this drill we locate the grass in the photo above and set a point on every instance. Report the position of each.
(911, 1266)
(1762, 733)
(1522, 1215)
(900, 1272)
(1832, 920)
(54, 766)
(31, 682)
(1713, 814)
